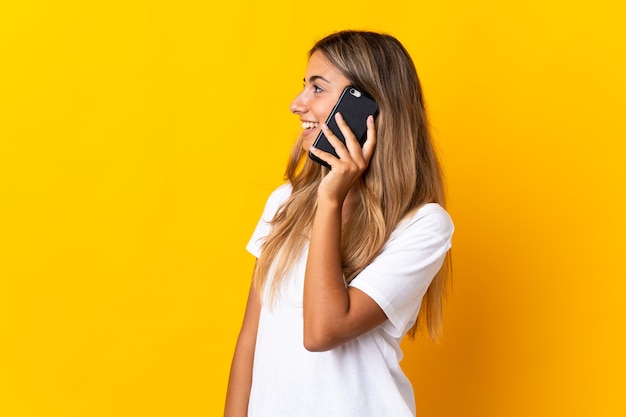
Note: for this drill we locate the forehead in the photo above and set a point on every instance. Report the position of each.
(320, 66)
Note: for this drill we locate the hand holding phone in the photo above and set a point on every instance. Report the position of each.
(355, 106)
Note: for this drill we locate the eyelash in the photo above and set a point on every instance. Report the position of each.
(316, 89)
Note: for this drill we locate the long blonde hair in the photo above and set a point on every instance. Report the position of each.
(403, 174)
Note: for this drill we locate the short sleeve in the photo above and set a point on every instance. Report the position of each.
(275, 200)
(400, 275)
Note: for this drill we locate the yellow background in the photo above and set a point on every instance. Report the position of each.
(139, 140)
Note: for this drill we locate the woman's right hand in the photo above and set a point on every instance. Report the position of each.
(352, 162)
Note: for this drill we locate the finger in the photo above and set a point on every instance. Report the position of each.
(352, 144)
(329, 158)
(339, 147)
(349, 152)
(370, 141)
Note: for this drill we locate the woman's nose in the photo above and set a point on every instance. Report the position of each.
(298, 104)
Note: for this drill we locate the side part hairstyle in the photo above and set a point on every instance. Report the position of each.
(404, 172)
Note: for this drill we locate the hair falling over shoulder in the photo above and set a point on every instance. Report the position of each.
(404, 172)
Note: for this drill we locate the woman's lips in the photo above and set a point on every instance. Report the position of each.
(307, 132)
(309, 127)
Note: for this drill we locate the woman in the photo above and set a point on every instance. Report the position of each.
(347, 257)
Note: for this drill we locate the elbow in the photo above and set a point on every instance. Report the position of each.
(319, 341)
(314, 345)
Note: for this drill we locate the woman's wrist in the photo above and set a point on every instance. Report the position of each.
(325, 202)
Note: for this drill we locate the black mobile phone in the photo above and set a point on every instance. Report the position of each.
(355, 106)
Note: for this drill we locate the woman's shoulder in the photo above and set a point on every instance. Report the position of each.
(430, 218)
(275, 200)
(280, 194)
(431, 210)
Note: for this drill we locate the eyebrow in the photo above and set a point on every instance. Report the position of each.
(314, 78)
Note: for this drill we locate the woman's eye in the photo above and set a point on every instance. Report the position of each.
(317, 89)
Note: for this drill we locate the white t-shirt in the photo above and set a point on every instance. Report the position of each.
(361, 378)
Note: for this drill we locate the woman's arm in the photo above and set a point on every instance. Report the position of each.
(334, 314)
(240, 379)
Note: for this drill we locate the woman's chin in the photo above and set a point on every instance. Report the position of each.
(306, 144)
